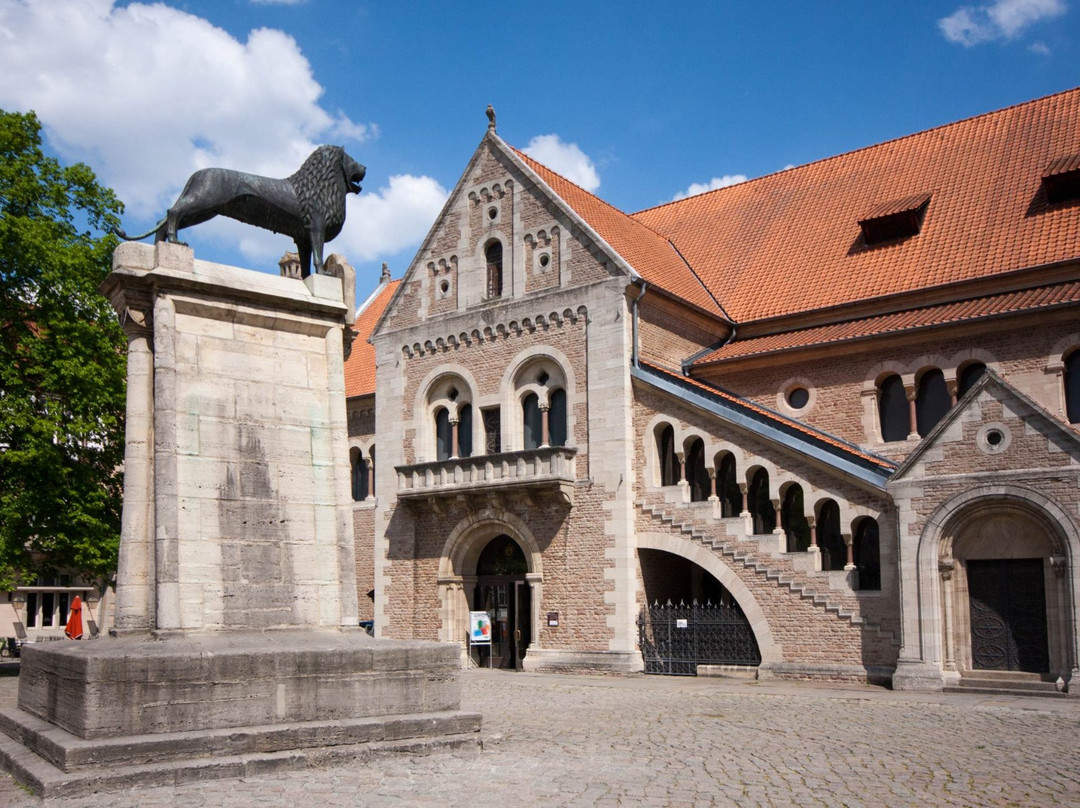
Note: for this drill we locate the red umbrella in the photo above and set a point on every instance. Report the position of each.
(73, 629)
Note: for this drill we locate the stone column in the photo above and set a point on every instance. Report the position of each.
(455, 449)
(684, 486)
(370, 463)
(913, 417)
(945, 570)
(135, 570)
(814, 550)
(545, 426)
(953, 386)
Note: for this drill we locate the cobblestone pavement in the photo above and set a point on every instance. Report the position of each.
(655, 741)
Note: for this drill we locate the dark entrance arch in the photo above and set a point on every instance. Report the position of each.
(503, 591)
(689, 618)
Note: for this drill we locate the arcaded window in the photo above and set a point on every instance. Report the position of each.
(931, 401)
(665, 450)
(1072, 387)
(831, 542)
(727, 487)
(867, 551)
(494, 257)
(360, 476)
(696, 474)
(893, 409)
(793, 520)
(532, 421)
(465, 430)
(760, 504)
(968, 376)
(557, 418)
(444, 436)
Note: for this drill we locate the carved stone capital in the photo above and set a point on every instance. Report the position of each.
(946, 567)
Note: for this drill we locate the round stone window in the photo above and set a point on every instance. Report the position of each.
(798, 397)
(993, 438)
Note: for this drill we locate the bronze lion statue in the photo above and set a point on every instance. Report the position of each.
(308, 206)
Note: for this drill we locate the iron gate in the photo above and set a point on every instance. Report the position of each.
(674, 640)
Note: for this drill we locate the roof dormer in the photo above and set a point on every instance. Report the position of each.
(892, 221)
(1061, 180)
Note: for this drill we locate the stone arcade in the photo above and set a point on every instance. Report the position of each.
(237, 647)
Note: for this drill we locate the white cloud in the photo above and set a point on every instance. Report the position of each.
(716, 182)
(1002, 19)
(566, 159)
(389, 220)
(147, 94)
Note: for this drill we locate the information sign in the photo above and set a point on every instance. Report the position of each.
(479, 628)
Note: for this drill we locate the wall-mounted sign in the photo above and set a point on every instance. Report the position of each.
(479, 628)
(680, 622)
(553, 619)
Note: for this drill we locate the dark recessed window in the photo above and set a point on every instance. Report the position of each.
(1072, 387)
(798, 397)
(1061, 180)
(968, 376)
(894, 220)
(494, 256)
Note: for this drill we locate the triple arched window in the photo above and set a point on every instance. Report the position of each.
(898, 419)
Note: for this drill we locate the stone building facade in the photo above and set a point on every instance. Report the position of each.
(835, 406)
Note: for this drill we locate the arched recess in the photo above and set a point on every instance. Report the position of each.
(541, 371)
(954, 537)
(457, 570)
(433, 393)
(767, 645)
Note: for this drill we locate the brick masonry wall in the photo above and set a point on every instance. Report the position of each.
(669, 333)
(1019, 349)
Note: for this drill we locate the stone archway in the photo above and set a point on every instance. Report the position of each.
(1003, 597)
(457, 579)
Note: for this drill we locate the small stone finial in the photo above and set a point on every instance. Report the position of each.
(491, 117)
(385, 276)
(290, 265)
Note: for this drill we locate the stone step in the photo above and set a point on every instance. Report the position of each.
(1001, 689)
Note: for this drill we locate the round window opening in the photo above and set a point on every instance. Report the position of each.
(444, 287)
(492, 213)
(994, 437)
(798, 397)
(545, 259)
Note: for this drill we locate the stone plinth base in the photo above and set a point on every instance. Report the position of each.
(124, 711)
(549, 660)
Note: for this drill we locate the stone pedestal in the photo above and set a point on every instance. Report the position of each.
(236, 646)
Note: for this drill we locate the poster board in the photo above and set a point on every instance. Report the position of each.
(479, 628)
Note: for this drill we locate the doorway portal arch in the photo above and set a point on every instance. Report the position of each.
(458, 580)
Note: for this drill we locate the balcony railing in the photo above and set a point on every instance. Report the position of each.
(540, 470)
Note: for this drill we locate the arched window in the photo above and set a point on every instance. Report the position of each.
(727, 487)
(868, 554)
(531, 420)
(968, 376)
(465, 430)
(557, 418)
(502, 556)
(760, 504)
(494, 257)
(893, 409)
(444, 437)
(833, 549)
(1072, 387)
(931, 401)
(665, 450)
(696, 475)
(359, 476)
(793, 520)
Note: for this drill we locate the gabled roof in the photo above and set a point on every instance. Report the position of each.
(992, 382)
(790, 242)
(360, 366)
(1040, 298)
(649, 254)
(832, 451)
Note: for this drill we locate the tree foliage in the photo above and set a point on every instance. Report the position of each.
(62, 364)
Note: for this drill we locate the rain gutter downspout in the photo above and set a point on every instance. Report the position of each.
(644, 286)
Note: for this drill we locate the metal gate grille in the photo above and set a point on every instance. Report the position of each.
(674, 640)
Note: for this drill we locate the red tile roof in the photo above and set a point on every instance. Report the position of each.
(651, 255)
(966, 310)
(789, 242)
(360, 366)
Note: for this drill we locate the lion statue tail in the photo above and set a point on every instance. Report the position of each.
(120, 234)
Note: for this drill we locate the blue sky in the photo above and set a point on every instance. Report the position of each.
(639, 101)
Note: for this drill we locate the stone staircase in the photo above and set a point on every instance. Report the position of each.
(1006, 683)
(792, 571)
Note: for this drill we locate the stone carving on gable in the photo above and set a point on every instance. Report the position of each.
(495, 332)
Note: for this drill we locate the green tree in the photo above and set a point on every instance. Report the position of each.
(62, 364)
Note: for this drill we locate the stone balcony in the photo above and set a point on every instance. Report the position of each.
(548, 470)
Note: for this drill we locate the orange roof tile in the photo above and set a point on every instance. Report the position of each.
(973, 309)
(360, 366)
(651, 255)
(789, 242)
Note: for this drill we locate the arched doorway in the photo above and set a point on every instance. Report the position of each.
(503, 591)
(1003, 593)
(689, 618)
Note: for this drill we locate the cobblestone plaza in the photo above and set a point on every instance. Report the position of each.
(656, 741)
